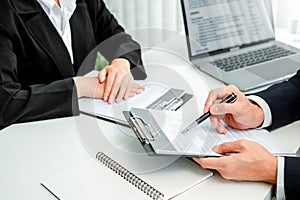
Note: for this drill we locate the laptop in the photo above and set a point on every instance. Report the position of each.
(234, 41)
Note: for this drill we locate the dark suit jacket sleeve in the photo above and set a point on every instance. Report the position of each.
(292, 178)
(34, 102)
(283, 99)
(112, 40)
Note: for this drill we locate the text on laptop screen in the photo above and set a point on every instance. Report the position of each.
(222, 24)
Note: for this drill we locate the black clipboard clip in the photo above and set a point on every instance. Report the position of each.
(148, 131)
(174, 104)
(144, 131)
(171, 100)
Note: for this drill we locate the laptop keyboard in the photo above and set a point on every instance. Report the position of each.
(251, 58)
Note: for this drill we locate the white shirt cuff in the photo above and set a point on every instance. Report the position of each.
(265, 107)
(280, 195)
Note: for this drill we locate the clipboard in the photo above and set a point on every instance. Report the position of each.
(172, 99)
(155, 141)
(160, 133)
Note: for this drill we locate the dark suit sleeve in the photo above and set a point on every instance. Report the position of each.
(283, 99)
(34, 102)
(292, 178)
(112, 40)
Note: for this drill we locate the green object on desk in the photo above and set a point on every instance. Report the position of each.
(101, 62)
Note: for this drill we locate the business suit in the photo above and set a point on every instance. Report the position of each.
(284, 102)
(35, 67)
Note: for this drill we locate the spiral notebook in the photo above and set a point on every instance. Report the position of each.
(105, 178)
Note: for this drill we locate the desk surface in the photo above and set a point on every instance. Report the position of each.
(31, 152)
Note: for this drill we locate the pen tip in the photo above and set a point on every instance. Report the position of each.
(184, 131)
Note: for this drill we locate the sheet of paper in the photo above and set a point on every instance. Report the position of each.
(201, 139)
(115, 111)
(211, 137)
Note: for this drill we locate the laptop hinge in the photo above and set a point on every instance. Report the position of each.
(234, 49)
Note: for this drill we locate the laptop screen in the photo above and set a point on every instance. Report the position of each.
(215, 26)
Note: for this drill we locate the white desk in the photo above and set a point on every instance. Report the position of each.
(31, 152)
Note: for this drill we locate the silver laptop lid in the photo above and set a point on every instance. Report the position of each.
(217, 26)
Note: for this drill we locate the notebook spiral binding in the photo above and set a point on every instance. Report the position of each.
(128, 176)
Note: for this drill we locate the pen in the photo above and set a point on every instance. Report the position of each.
(229, 99)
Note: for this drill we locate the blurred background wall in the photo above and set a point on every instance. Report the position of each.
(149, 21)
(166, 15)
(133, 14)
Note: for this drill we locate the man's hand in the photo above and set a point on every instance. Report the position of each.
(118, 81)
(242, 114)
(248, 161)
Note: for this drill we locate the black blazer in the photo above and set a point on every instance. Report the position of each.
(35, 67)
(284, 102)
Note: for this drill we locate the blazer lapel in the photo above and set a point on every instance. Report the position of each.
(45, 34)
(81, 27)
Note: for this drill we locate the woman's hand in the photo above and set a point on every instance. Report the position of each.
(89, 87)
(118, 81)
